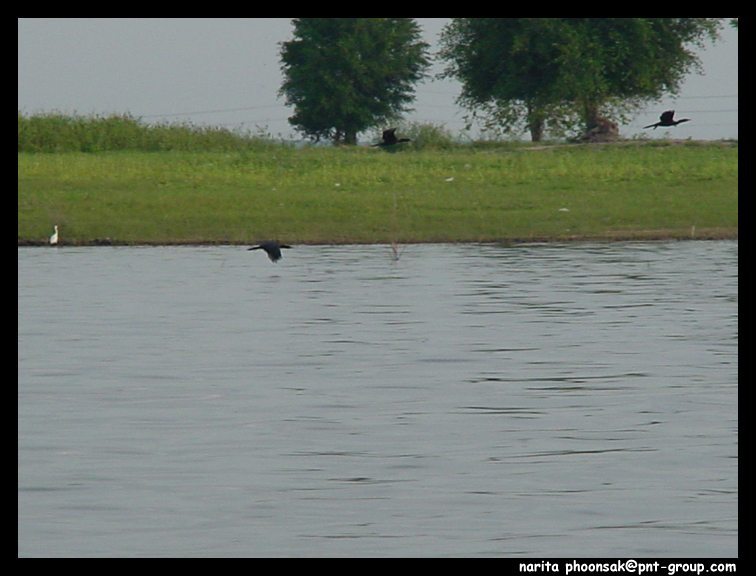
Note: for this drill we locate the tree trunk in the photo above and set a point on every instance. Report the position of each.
(536, 130)
(590, 115)
(535, 122)
(344, 137)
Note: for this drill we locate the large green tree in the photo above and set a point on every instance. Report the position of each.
(550, 71)
(346, 75)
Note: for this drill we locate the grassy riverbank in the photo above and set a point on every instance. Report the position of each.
(341, 195)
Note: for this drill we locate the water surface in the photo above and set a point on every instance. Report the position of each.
(541, 400)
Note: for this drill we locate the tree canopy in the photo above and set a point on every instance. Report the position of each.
(346, 75)
(554, 70)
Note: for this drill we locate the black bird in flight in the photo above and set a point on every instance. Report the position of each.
(667, 119)
(389, 138)
(272, 249)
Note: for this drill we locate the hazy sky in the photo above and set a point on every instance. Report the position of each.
(225, 71)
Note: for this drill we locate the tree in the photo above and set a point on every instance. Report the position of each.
(553, 71)
(346, 75)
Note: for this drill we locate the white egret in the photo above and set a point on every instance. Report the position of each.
(54, 237)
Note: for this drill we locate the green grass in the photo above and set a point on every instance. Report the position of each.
(361, 194)
(54, 132)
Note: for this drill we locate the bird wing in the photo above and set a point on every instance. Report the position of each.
(389, 137)
(667, 116)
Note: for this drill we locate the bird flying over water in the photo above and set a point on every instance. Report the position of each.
(389, 138)
(272, 249)
(667, 119)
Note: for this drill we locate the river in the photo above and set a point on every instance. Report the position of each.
(462, 400)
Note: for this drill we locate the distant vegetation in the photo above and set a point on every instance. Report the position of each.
(553, 73)
(346, 76)
(56, 132)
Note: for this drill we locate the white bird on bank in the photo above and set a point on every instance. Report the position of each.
(54, 237)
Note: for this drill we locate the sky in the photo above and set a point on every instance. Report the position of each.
(226, 72)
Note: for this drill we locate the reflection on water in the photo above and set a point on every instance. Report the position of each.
(544, 400)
